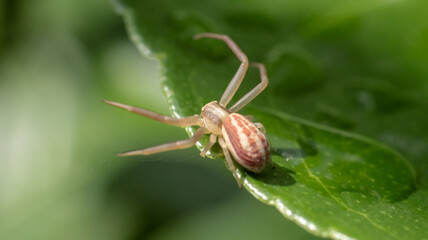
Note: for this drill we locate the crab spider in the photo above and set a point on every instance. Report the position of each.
(237, 135)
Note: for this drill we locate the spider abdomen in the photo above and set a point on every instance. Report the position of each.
(246, 142)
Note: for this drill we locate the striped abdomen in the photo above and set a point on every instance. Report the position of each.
(246, 142)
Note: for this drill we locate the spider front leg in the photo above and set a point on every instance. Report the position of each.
(239, 75)
(255, 91)
(168, 146)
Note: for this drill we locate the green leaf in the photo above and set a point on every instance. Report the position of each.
(335, 63)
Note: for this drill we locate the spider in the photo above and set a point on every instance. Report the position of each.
(235, 133)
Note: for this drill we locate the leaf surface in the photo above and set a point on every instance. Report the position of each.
(328, 63)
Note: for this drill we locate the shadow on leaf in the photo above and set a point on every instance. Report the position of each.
(278, 175)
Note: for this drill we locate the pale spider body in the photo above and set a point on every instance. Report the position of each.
(235, 133)
(246, 142)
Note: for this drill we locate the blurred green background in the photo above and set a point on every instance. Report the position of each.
(59, 176)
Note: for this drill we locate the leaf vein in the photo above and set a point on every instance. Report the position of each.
(375, 224)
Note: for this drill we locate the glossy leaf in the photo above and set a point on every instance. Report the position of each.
(321, 67)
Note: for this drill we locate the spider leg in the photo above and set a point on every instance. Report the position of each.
(249, 117)
(239, 75)
(187, 121)
(255, 91)
(229, 161)
(168, 146)
(213, 140)
(261, 127)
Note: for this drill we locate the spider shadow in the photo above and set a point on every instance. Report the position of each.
(279, 176)
(276, 175)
